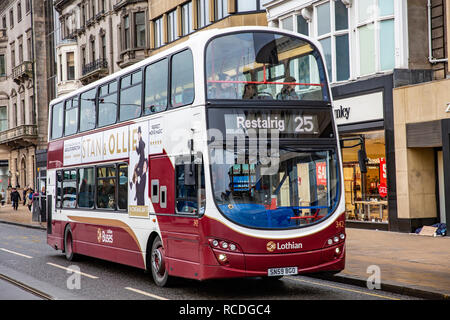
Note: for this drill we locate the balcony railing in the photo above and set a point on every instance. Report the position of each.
(22, 72)
(94, 66)
(94, 71)
(19, 135)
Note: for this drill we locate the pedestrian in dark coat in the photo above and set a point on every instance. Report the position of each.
(15, 198)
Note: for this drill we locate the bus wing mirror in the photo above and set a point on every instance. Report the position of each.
(189, 174)
(362, 160)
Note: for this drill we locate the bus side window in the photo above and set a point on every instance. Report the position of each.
(189, 186)
(182, 79)
(58, 195)
(156, 87)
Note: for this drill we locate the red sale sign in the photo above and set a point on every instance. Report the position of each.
(321, 173)
(383, 172)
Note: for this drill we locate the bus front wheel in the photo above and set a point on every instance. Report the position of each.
(158, 263)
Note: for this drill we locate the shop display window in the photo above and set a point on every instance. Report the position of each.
(365, 192)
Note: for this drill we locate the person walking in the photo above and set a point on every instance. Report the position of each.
(15, 198)
(30, 198)
(3, 196)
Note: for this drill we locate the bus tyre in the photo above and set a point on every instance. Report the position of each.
(158, 263)
(68, 244)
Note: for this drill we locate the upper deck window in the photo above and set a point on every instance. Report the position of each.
(262, 65)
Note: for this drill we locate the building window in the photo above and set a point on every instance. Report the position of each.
(139, 29)
(158, 36)
(19, 11)
(333, 34)
(302, 25)
(20, 41)
(11, 18)
(103, 42)
(186, 19)
(203, 13)
(2, 65)
(220, 9)
(70, 66)
(288, 23)
(3, 118)
(92, 49)
(27, 5)
(172, 30)
(13, 54)
(375, 27)
(126, 32)
(83, 57)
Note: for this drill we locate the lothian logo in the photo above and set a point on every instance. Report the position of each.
(271, 246)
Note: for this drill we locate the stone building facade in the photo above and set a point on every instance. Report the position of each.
(23, 91)
(96, 38)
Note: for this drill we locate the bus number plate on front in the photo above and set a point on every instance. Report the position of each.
(273, 272)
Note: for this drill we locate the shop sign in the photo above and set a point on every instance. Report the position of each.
(321, 173)
(368, 107)
(383, 171)
(382, 188)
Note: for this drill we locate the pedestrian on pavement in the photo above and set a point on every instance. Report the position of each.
(24, 194)
(15, 198)
(3, 196)
(30, 198)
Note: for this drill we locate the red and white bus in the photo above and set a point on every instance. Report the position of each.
(218, 157)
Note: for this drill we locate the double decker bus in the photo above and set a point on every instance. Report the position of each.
(216, 158)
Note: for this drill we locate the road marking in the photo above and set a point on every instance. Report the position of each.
(16, 253)
(344, 289)
(72, 270)
(146, 293)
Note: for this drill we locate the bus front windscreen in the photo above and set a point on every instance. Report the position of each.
(289, 188)
(264, 66)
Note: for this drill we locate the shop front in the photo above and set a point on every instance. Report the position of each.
(360, 111)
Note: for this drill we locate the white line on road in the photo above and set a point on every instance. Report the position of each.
(16, 253)
(72, 270)
(341, 288)
(146, 293)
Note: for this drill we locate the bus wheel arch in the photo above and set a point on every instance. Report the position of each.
(68, 243)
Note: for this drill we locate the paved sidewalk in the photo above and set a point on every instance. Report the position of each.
(22, 216)
(409, 264)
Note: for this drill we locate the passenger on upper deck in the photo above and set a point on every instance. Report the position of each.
(288, 90)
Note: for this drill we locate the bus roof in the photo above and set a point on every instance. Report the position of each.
(193, 40)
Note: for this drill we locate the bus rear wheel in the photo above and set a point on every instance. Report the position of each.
(158, 263)
(68, 244)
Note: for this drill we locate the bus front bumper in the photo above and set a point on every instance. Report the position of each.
(257, 265)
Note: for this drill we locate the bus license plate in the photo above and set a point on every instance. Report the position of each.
(286, 271)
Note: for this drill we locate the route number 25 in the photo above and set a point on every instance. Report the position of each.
(305, 124)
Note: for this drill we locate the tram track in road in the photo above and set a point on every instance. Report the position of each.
(26, 288)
